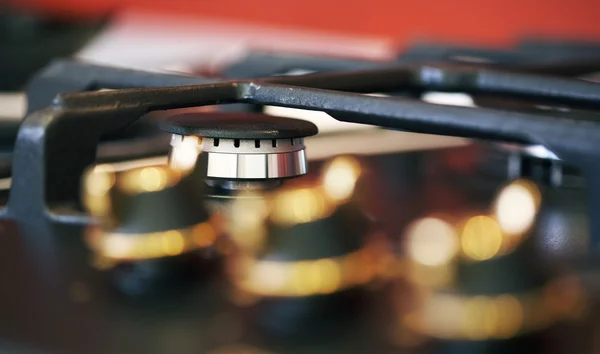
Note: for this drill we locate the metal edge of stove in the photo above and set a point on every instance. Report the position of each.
(544, 57)
(527, 51)
(58, 136)
(262, 64)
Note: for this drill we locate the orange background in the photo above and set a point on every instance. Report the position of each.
(479, 22)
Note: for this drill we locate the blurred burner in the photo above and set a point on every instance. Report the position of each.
(305, 250)
(484, 282)
(151, 220)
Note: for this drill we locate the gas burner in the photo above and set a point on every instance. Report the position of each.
(141, 241)
(309, 245)
(244, 150)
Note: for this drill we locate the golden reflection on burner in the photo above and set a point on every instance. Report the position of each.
(100, 180)
(299, 206)
(308, 277)
(510, 317)
(152, 179)
(118, 246)
(148, 179)
(247, 215)
(97, 184)
(432, 242)
(481, 238)
(433, 276)
(204, 234)
(290, 206)
(491, 317)
(270, 276)
(332, 273)
(516, 207)
(173, 243)
(483, 317)
(339, 178)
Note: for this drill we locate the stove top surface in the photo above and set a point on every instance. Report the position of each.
(56, 301)
(388, 242)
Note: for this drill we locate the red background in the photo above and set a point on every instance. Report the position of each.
(481, 22)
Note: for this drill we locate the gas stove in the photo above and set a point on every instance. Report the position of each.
(151, 212)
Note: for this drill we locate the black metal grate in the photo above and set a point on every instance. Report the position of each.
(55, 144)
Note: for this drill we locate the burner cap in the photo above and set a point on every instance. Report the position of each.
(238, 125)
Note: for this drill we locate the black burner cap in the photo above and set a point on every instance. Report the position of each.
(235, 125)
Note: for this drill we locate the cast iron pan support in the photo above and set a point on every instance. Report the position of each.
(55, 145)
(62, 76)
